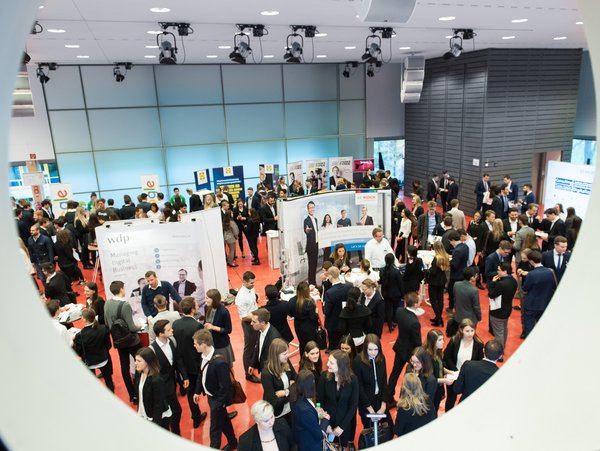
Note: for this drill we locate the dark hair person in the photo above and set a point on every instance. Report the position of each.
(93, 301)
(304, 311)
(392, 289)
(434, 344)
(277, 377)
(150, 388)
(311, 359)
(305, 414)
(355, 318)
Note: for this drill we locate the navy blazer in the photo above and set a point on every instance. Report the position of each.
(222, 319)
(460, 257)
(340, 404)
(409, 333)
(548, 262)
(473, 375)
(306, 429)
(514, 192)
(529, 198)
(332, 304)
(491, 264)
(183, 330)
(539, 286)
(480, 190)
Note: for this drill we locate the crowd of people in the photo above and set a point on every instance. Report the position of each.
(505, 249)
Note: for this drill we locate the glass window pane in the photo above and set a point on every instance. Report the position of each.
(352, 117)
(188, 85)
(78, 170)
(182, 162)
(311, 119)
(250, 155)
(311, 149)
(253, 122)
(70, 131)
(64, 90)
(102, 91)
(252, 84)
(125, 128)
(310, 82)
(122, 168)
(192, 125)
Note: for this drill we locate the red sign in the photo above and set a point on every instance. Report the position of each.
(150, 183)
(32, 156)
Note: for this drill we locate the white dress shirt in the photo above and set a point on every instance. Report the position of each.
(245, 302)
(205, 361)
(261, 339)
(375, 252)
(165, 347)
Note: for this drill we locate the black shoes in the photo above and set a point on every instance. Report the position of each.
(252, 378)
(522, 336)
(182, 391)
(232, 415)
(255, 262)
(198, 421)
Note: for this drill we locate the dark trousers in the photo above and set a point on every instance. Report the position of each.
(399, 363)
(250, 339)
(390, 309)
(401, 249)
(241, 237)
(530, 319)
(451, 293)
(40, 274)
(107, 371)
(220, 423)
(312, 252)
(253, 244)
(173, 402)
(437, 399)
(436, 297)
(124, 354)
(333, 338)
(376, 404)
(194, 409)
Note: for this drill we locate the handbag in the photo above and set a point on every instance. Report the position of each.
(237, 392)
(321, 336)
(366, 438)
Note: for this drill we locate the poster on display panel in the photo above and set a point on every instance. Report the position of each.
(188, 254)
(347, 217)
(233, 178)
(340, 168)
(569, 184)
(295, 174)
(362, 166)
(60, 194)
(202, 180)
(150, 186)
(268, 175)
(316, 172)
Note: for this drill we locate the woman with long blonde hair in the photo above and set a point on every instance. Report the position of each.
(82, 235)
(277, 377)
(413, 406)
(437, 280)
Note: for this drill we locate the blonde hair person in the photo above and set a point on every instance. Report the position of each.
(27, 260)
(272, 433)
(413, 406)
(441, 256)
(437, 279)
(497, 230)
(277, 377)
(81, 216)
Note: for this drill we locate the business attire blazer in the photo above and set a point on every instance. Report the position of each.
(555, 229)
(267, 217)
(195, 203)
(460, 257)
(513, 195)
(377, 308)
(127, 211)
(218, 382)
(221, 319)
(432, 190)
(408, 421)
(498, 207)
(279, 311)
(332, 304)
(392, 285)
(306, 429)
(167, 370)
(271, 384)
(340, 404)
(423, 228)
(355, 322)
(365, 373)
(57, 288)
(506, 225)
(413, 275)
(154, 397)
(466, 302)
(312, 247)
(305, 321)
(451, 353)
(505, 287)
(259, 362)
(539, 287)
(183, 330)
(491, 264)
(409, 334)
(529, 198)
(189, 288)
(549, 262)
(250, 440)
(473, 375)
(92, 345)
(479, 192)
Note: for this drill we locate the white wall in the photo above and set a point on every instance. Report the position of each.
(385, 112)
(585, 121)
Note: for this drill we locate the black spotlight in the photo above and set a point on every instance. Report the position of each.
(119, 77)
(294, 44)
(370, 70)
(241, 48)
(42, 75)
(348, 69)
(372, 49)
(168, 51)
(455, 47)
(26, 58)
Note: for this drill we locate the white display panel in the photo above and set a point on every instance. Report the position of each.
(569, 184)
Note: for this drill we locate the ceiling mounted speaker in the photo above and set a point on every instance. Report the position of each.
(412, 79)
(393, 11)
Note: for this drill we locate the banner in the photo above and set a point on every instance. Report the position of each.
(60, 194)
(360, 166)
(569, 184)
(340, 217)
(268, 175)
(295, 173)
(316, 171)
(150, 186)
(202, 179)
(233, 178)
(188, 252)
(340, 167)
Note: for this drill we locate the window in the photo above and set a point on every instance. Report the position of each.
(391, 152)
(584, 152)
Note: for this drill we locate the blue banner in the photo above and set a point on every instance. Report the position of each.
(202, 179)
(233, 178)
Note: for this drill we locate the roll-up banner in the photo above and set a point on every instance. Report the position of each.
(150, 186)
(360, 166)
(316, 172)
(341, 216)
(295, 173)
(569, 184)
(268, 175)
(202, 179)
(188, 252)
(60, 194)
(233, 178)
(340, 167)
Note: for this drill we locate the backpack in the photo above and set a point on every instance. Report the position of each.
(119, 331)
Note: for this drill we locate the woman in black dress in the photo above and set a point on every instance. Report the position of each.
(304, 311)
(437, 279)
(413, 406)
(413, 271)
(240, 216)
(93, 301)
(277, 377)
(338, 394)
(252, 232)
(392, 289)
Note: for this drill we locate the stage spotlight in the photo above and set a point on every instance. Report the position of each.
(348, 69)
(370, 70)
(168, 51)
(294, 44)
(241, 48)
(456, 42)
(372, 49)
(119, 77)
(41, 75)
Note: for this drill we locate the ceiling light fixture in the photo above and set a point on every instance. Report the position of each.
(149, 56)
(241, 48)
(154, 32)
(212, 56)
(350, 47)
(405, 48)
(371, 68)
(578, 23)
(320, 35)
(519, 20)
(151, 46)
(321, 56)
(348, 68)
(72, 46)
(269, 13)
(372, 49)
(223, 47)
(456, 42)
(118, 74)
(83, 56)
(160, 10)
(268, 56)
(508, 37)
(294, 48)
(560, 38)
(446, 18)
(56, 30)
(36, 28)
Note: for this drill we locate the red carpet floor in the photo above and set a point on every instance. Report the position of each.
(265, 276)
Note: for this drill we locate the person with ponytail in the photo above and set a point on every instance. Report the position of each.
(92, 344)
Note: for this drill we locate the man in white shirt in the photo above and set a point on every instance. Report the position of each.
(377, 248)
(53, 306)
(161, 304)
(458, 217)
(245, 301)
(470, 242)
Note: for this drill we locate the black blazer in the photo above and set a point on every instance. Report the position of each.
(257, 362)
(498, 207)
(241, 222)
(306, 429)
(506, 225)
(408, 421)
(556, 229)
(250, 440)
(57, 288)
(310, 232)
(409, 333)
(548, 262)
(218, 382)
(271, 384)
(377, 308)
(432, 190)
(451, 353)
(279, 311)
(195, 203)
(473, 375)
(92, 345)
(127, 211)
(154, 396)
(342, 405)
(392, 285)
(491, 265)
(167, 371)
(183, 330)
(305, 321)
(332, 304)
(189, 289)
(452, 192)
(505, 287)
(413, 275)
(366, 381)
(355, 322)
(222, 319)
(435, 276)
(460, 257)
(266, 216)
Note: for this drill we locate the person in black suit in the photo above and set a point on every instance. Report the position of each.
(305, 415)
(475, 373)
(252, 232)
(267, 429)
(277, 377)
(460, 258)
(46, 209)
(218, 322)
(41, 250)
(57, 284)
(512, 189)
(338, 393)
(413, 406)
(482, 187)
(433, 188)
(127, 211)
(92, 344)
(183, 330)
(267, 333)
(311, 229)
(355, 318)
(553, 226)
(332, 306)
(195, 201)
(371, 372)
(497, 205)
(150, 388)
(392, 288)
(465, 338)
(268, 214)
(413, 271)
(375, 303)
(22, 227)
(409, 337)
(214, 382)
(241, 215)
(365, 219)
(539, 287)
(279, 311)
(558, 258)
(252, 200)
(452, 192)
(171, 363)
(444, 182)
(493, 260)
(304, 311)
(183, 286)
(528, 197)
(505, 286)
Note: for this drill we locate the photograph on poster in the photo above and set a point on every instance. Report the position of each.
(268, 174)
(233, 178)
(361, 169)
(295, 177)
(316, 172)
(340, 172)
